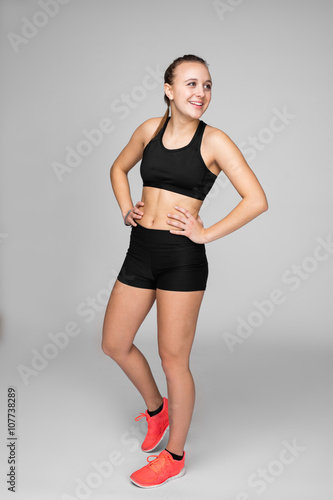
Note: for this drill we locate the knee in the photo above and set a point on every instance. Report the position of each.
(174, 364)
(114, 351)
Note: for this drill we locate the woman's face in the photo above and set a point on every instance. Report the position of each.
(191, 90)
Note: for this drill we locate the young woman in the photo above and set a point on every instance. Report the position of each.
(166, 260)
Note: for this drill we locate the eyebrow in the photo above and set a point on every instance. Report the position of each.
(210, 81)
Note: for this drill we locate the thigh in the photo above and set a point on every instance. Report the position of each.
(177, 315)
(127, 308)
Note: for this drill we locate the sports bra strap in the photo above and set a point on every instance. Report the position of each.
(198, 135)
(196, 139)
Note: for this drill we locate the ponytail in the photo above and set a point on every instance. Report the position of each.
(161, 124)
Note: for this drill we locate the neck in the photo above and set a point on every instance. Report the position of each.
(180, 125)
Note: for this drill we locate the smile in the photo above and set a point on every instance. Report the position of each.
(195, 103)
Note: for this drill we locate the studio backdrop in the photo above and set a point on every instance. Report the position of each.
(78, 77)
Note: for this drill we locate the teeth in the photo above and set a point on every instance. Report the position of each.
(197, 103)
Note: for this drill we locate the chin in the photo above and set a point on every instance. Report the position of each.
(196, 113)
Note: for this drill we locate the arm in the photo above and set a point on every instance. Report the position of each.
(127, 159)
(231, 161)
(228, 158)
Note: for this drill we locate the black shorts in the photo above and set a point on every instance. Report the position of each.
(157, 258)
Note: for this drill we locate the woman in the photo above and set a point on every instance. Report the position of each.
(166, 260)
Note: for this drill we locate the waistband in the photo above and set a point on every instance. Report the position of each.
(157, 237)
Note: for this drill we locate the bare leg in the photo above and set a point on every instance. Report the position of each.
(127, 308)
(177, 314)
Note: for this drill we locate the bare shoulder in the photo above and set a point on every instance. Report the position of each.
(147, 129)
(220, 143)
(133, 151)
(150, 127)
(214, 137)
(152, 123)
(220, 150)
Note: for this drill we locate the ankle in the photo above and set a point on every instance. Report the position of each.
(156, 411)
(176, 456)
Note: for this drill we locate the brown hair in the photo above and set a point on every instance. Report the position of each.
(169, 76)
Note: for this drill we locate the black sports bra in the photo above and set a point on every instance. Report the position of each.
(180, 170)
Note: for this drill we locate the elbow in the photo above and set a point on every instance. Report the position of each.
(264, 205)
(116, 167)
(113, 170)
(257, 202)
(113, 175)
(260, 205)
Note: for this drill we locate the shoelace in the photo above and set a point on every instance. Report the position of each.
(139, 417)
(158, 463)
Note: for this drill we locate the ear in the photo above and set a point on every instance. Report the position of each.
(168, 91)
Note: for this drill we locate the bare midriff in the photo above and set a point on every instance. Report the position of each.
(158, 203)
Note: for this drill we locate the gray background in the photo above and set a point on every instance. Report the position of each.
(62, 242)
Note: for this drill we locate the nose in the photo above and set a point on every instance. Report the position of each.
(199, 91)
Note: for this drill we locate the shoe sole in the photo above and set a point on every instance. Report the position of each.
(182, 472)
(155, 446)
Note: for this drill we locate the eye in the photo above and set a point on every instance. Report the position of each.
(191, 83)
(208, 86)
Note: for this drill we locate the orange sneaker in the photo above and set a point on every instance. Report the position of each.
(160, 470)
(157, 427)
